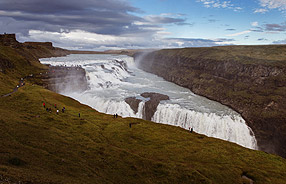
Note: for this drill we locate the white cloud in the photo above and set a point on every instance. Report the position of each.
(240, 33)
(83, 40)
(271, 4)
(219, 4)
(88, 41)
(254, 24)
(260, 10)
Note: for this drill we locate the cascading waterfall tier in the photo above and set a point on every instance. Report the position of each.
(224, 127)
(113, 78)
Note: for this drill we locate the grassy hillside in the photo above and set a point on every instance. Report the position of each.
(44, 147)
(13, 66)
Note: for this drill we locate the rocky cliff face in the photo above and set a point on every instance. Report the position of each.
(9, 40)
(151, 104)
(249, 79)
(60, 79)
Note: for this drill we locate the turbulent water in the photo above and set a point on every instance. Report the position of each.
(112, 78)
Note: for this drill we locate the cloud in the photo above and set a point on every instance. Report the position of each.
(112, 17)
(231, 29)
(275, 27)
(82, 40)
(199, 42)
(107, 22)
(219, 4)
(279, 42)
(240, 33)
(271, 4)
(212, 20)
(269, 28)
(164, 19)
(254, 24)
(94, 24)
(262, 39)
(108, 17)
(260, 10)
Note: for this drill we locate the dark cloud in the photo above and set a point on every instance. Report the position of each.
(270, 28)
(65, 6)
(109, 17)
(157, 19)
(262, 39)
(275, 27)
(257, 29)
(230, 29)
(104, 17)
(92, 24)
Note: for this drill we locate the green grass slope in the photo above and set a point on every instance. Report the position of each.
(37, 146)
(42, 147)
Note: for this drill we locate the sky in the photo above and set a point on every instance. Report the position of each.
(139, 24)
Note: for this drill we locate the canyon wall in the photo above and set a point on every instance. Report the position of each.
(249, 79)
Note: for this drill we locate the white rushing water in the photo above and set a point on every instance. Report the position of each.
(112, 78)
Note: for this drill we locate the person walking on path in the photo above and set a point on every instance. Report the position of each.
(57, 111)
(44, 104)
(116, 115)
(79, 115)
(55, 105)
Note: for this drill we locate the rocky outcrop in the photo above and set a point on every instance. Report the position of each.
(60, 79)
(48, 45)
(133, 102)
(151, 103)
(9, 40)
(249, 79)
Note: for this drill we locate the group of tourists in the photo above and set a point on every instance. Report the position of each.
(50, 109)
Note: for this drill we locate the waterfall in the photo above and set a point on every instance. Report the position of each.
(141, 108)
(226, 127)
(113, 78)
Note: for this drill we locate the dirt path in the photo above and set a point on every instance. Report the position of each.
(21, 83)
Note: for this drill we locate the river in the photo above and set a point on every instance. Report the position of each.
(112, 78)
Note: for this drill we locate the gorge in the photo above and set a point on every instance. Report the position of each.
(249, 79)
(117, 86)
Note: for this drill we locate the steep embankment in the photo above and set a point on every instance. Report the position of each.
(250, 79)
(40, 146)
